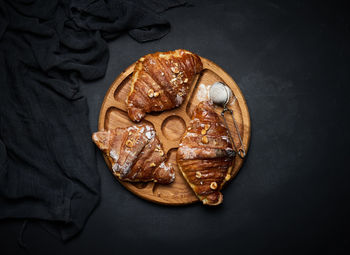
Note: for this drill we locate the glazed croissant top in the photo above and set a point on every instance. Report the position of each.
(161, 81)
(205, 154)
(135, 154)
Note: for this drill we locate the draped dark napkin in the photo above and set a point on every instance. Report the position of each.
(47, 160)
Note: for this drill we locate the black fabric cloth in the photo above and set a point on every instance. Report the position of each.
(47, 160)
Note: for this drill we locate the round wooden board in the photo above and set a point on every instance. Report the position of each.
(170, 126)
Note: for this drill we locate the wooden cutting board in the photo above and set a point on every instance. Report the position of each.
(170, 126)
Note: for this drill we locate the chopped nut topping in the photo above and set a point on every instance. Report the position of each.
(180, 94)
(130, 133)
(180, 81)
(162, 73)
(205, 139)
(206, 126)
(152, 164)
(203, 132)
(129, 143)
(186, 80)
(213, 185)
(155, 94)
(161, 152)
(150, 93)
(198, 174)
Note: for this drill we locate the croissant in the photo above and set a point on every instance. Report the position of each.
(161, 81)
(205, 154)
(136, 154)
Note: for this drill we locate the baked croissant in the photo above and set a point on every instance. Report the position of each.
(161, 82)
(205, 154)
(136, 154)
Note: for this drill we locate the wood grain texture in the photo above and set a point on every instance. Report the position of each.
(170, 126)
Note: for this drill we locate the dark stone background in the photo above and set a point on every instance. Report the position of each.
(291, 60)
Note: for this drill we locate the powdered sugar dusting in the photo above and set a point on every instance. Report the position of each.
(178, 100)
(150, 134)
(115, 167)
(168, 168)
(225, 138)
(125, 169)
(163, 166)
(188, 153)
(114, 155)
(172, 175)
(203, 92)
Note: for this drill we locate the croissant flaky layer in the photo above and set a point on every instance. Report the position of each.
(205, 154)
(135, 154)
(161, 81)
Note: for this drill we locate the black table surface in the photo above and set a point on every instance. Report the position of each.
(291, 61)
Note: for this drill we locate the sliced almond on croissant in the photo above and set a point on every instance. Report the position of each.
(205, 154)
(136, 154)
(161, 81)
